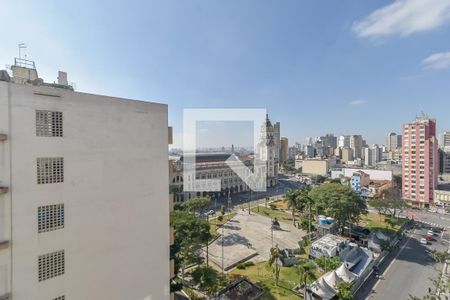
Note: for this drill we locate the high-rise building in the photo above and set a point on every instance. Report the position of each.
(372, 155)
(310, 151)
(293, 151)
(84, 193)
(444, 140)
(394, 141)
(356, 143)
(444, 144)
(284, 152)
(420, 161)
(347, 154)
(329, 141)
(344, 141)
(267, 152)
(309, 141)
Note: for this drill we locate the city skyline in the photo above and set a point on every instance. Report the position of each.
(367, 70)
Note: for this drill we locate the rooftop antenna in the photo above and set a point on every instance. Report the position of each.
(21, 46)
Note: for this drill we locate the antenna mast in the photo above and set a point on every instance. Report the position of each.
(21, 46)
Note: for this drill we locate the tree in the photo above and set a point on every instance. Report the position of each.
(292, 202)
(197, 204)
(338, 201)
(190, 233)
(390, 202)
(318, 179)
(274, 261)
(305, 204)
(306, 270)
(327, 263)
(222, 213)
(207, 279)
(343, 290)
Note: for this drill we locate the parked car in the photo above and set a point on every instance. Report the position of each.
(210, 213)
(429, 238)
(431, 232)
(424, 241)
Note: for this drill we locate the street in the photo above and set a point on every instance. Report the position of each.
(285, 183)
(406, 270)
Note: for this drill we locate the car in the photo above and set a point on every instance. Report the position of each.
(431, 232)
(424, 241)
(429, 238)
(210, 213)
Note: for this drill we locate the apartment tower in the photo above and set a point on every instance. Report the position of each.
(84, 209)
(420, 161)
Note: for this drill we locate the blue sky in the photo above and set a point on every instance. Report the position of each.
(363, 67)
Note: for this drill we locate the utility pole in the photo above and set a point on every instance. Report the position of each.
(309, 217)
(251, 191)
(207, 246)
(223, 235)
(271, 229)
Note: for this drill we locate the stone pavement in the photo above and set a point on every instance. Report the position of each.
(250, 237)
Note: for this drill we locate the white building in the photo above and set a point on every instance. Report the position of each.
(85, 209)
(209, 166)
(372, 155)
(374, 174)
(266, 151)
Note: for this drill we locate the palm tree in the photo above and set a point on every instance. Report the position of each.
(275, 259)
(292, 202)
(306, 270)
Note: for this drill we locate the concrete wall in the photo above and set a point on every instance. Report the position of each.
(316, 167)
(115, 191)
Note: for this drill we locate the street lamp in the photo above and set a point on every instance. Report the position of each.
(223, 235)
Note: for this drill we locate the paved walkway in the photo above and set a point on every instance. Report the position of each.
(250, 235)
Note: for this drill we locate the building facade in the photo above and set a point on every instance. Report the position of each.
(344, 141)
(347, 154)
(84, 212)
(420, 161)
(356, 144)
(372, 155)
(277, 140)
(442, 198)
(394, 141)
(284, 151)
(445, 152)
(317, 166)
(208, 166)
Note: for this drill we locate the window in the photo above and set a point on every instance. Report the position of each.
(50, 217)
(51, 265)
(49, 123)
(50, 170)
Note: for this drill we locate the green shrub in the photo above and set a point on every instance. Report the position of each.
(244, 265)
